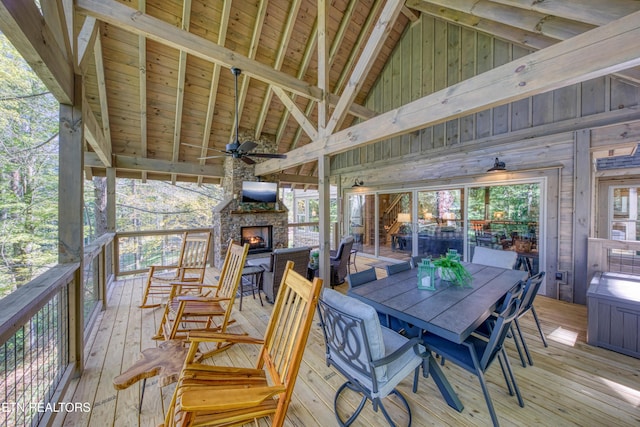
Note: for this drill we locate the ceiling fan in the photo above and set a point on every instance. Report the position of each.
(239, 150)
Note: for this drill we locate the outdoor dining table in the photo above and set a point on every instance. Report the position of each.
(450, 311)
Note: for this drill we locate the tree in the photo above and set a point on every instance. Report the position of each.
(28, 172)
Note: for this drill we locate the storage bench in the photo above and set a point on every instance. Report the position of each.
(613, 304)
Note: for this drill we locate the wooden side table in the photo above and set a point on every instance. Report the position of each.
(166, 361)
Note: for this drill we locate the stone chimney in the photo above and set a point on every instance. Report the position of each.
(230, 215)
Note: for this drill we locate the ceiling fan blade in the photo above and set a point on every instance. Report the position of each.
(247, 146)
(206, 148)
(247, 160)
(267, 155)
(209, 157)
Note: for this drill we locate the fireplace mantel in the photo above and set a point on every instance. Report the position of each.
(265, 211)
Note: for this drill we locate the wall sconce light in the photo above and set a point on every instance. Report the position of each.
(497, 166)
(357, 183)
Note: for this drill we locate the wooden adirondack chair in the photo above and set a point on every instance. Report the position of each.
(204, 307)
(191, 267)
(224, 395)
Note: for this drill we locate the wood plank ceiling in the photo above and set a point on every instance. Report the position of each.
(161, 91)
(167, 106)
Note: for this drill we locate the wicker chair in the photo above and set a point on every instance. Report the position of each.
(340, 261)
(273, 271)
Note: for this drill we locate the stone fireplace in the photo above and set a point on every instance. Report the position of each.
(231, 217)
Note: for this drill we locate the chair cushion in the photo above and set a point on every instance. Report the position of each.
(369, 317)
(401, 367)
(494, 257)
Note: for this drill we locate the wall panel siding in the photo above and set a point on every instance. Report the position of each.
(433, 55)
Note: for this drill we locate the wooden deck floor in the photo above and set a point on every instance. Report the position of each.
(571, 383)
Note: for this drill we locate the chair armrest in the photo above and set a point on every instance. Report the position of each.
(212, 336)
(265, 267)
(412, 343)
(224, 399)
(192, 285)
(199, 298)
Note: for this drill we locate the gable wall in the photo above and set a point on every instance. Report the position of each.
(535, 136)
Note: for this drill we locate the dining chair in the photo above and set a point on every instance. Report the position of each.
(372, 358)
(397, 268)
(529, 294)
(392, 322)
(477, 353)
(361, 277)
(234, 395)
(494, 257)
(416, 260)
(339, 261)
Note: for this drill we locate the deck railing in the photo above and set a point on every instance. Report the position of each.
(307, 234)
(135, 251)
(620, 256)
(39, 329)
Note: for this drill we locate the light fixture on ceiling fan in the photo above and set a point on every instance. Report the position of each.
(242, 151)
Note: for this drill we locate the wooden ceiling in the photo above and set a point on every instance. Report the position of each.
(159, 94)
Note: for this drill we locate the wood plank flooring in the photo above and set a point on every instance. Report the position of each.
(570, 383)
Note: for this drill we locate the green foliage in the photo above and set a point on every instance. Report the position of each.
(28, 172)
(453, 271)
(159, 205)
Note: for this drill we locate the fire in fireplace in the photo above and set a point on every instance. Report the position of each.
(259, 238)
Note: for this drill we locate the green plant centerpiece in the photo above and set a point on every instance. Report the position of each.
(451, 270)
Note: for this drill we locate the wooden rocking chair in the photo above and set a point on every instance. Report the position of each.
(204, 307)
(223, 395)
(191, 267)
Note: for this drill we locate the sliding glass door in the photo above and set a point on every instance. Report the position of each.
(429, 222)
(506, 217)
(440, 222)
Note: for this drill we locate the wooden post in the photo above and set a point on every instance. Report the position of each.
(324, 195)
(581, 219)
(70, 229)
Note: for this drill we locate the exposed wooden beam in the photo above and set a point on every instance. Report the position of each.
(85, 42)
(527, 28)
(277, 65)
(182, 70)
(136, 22)
(595, 12)
(297, 179)
(353, 55)
(331, 98)
(122, 16)
(102, 91)
(304, 65)
(142, 93)
(23, 25)
(213, 90)
(94, 135)
(410, 14)
(54, 18)
(528, 20)
(323, 67)
(506, 32)
(295, 111)
(596, 53)
(374, 44)
(141, 164)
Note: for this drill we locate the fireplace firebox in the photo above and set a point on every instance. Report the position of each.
(259, 238)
